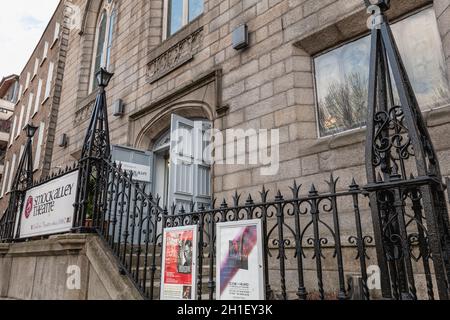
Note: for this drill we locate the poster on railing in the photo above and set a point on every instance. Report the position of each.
(48, 208)
(239, 269)
(179, 263)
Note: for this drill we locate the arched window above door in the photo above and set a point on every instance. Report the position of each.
(104, 37)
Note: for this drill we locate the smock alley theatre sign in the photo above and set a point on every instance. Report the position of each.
(48, 208)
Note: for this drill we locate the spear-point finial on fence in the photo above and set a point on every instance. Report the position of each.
(264, 193)
(354, 186)
(173, 208)
(224, 204)
(295, 189)
(182, 210)
(332, 183)
(313, 191)
(157, 200)
(279, 196)
(236, 199)
(192, 206)
(249, 201)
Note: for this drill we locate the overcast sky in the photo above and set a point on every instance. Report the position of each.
(21, 25)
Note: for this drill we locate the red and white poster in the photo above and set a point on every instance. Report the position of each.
(239, 266)
(179, 263)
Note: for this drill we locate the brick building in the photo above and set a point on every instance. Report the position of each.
(9, 88)
(37, 102)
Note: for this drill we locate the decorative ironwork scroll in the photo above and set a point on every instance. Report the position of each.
(404, 179)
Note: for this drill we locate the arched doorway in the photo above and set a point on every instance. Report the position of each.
(180, 168)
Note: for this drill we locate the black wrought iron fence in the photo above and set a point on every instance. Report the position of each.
(317, 245)
(312, 242)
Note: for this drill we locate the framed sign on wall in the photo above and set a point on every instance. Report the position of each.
(179, 264)
(48, 208)
(240, 267)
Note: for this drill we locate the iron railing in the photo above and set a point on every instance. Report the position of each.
(303, 235)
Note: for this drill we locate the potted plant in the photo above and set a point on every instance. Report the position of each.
(89, 221)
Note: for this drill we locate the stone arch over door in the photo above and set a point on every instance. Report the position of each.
(161, 121)
(199, 99)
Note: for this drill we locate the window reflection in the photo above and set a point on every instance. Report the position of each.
(181, 12)
(176, 15)
(342, 74)
(195, 9)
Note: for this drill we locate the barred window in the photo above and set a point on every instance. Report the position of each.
(342, 74)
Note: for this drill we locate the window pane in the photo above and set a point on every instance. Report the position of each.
(100, 43)
(175, 16)
(420, 45)
(195, 9)
(342, 80)
(342, 74)
(110, 37)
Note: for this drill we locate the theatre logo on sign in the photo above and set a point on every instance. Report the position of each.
(49, 208)
(29, 207)
(45, 203)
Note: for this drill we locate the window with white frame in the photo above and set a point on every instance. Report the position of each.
(104, 37)
(11, 135)
(28, 114)
(45, 53)
(5, 178)
(36, 67)
(27, 82)
(48, 85)
(19, 125)
(19, 95)
(37, 101)
(11, 173)
(179, 13)
(56, 34)
(342, 74)
(37, 156)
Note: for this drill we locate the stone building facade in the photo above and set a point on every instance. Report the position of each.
(302, 76)
(277, 82)
(37, 103)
